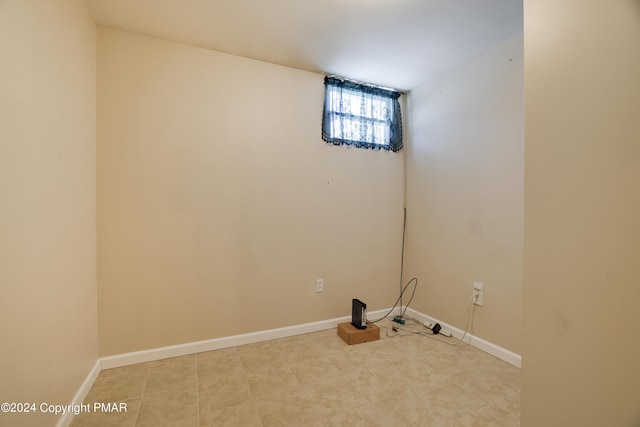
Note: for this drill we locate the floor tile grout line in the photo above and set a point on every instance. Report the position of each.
(146, 378)
(246, 378)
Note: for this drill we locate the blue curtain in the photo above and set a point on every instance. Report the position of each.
(362, 116)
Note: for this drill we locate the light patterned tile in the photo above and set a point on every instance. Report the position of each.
(451, 402)
(168, 377)
(170, 408)
(261, 361)
(361, 362)
(317, 380)
(119, 384)
(340, 393)
(417, 370)
(108, 419)
(258, 347)
(180, 361)
(276, 381)
(391, 348)
(330, 343)
(504, 412)
(311, 348)
(211, 370)
(137, 369)
(326, 332)
(483, 384)
(403, 409)
(224, 392)
(296, 410)
(420, 344)
(296, 351)
(509, 403)
(493, 415)
(295, 338)
(348, 364)
(322, 369)
(244, 414)
(382, 385)
(453, 359)
(222, 353)
(504, 371)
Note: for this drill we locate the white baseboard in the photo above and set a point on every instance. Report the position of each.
(486, 346)
(142, 356)
(66, 419)
(125, 359)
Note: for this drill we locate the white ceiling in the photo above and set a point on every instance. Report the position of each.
(394, 43)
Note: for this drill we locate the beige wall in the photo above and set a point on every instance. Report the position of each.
(48, 307)
(219, 203)
(465, 172)
(582, 230)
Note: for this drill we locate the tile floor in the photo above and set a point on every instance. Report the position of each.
(315, 380)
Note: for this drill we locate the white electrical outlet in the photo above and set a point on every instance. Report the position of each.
(319, 285)
(478, 293)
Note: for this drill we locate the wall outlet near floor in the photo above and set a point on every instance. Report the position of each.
(478, 293)
(319, 285)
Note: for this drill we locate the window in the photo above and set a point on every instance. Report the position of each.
(361, 115)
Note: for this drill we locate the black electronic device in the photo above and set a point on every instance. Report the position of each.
(358, 314)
